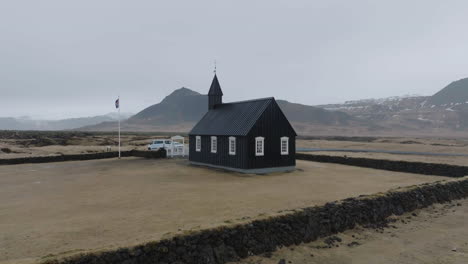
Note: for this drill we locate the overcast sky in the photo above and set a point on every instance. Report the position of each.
(73, 58)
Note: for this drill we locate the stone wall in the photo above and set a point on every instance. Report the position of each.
(224, 244)
(161, 153)
(391, 165)
(88, 156)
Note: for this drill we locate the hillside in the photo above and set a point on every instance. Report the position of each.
(182, 105)
(313, 115)
(454, 93)
(180, 110)
(443, 114)
(10, 123)
(185, 105)
(25, 123)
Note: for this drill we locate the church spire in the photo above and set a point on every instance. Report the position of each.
(215, 95)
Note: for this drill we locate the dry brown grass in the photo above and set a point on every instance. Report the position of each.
(91, 205)
(399, 144)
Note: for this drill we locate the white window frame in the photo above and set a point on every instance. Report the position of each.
(284, 139)
(262, 141)
(197, 143)
(232, 144)
(214, 144)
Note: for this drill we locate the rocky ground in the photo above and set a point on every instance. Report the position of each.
(436, 235)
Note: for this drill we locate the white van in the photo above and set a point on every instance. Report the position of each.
(162, 143)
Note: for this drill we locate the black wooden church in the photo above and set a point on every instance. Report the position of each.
(251, 136)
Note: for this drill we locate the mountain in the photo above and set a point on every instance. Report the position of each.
(381, 109)
(180, 110)
(443, 114)
(185, 105)
(11, 123)
(26, 123)
(454, 93)
(313, 115)
(182, 105)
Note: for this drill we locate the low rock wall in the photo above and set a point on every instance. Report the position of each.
(161, 153)
(88, 156)
(224, 244)
(391, 165)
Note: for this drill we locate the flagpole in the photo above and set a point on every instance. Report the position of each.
(119, 126)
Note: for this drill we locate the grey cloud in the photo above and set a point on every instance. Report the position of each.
(73, 58)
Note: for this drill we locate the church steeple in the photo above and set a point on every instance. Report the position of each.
(215, 95)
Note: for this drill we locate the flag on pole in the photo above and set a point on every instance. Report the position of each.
(117, 105)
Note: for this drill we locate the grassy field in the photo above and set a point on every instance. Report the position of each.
(35, 143)
(433, 145)
(71, 207)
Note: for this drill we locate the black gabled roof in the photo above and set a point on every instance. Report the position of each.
(232, 119)
(215, 88)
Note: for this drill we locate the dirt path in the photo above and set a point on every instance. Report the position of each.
(436, 235)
